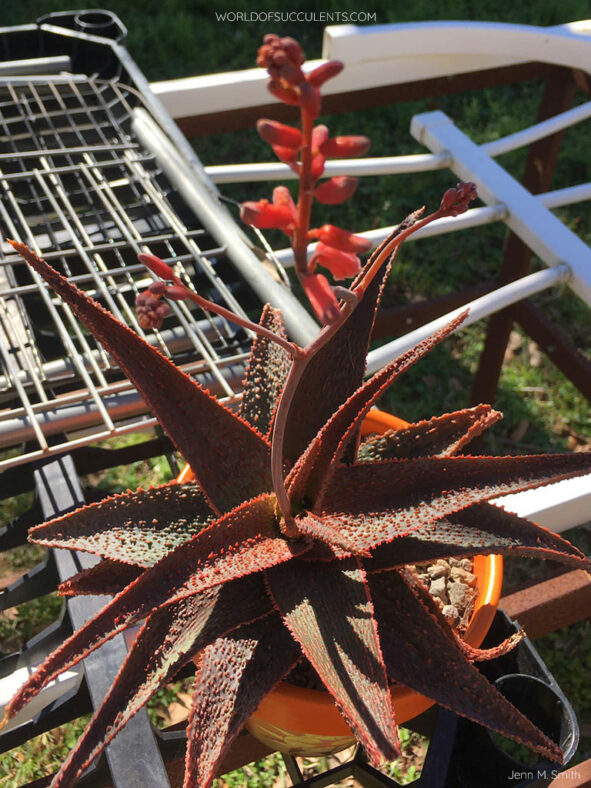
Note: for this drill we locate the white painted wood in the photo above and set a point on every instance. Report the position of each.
(558, 507)
(538, 131)
(479, 308)
(474, 217)
(546, 235)
(277, 171)
(390, 54)
(517, 43)
(566, 196)
(208, 93)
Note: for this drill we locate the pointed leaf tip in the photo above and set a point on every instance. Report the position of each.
(446, 675)
(266, 373)
(379, 502)
(229, 458)
(314, 470)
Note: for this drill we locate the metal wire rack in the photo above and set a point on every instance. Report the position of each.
(78, 187)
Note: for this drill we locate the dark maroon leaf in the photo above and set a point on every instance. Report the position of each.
(480, 529)
(334, 373)
(411, 637)
(106, 577)
(267, 370)
(329, 612)
(240, 543)
(441, 436)
(167, 641)
(229, 459)
(327, 530)
(315, 466)
(138, 528)
(379, 502)
(235, 673)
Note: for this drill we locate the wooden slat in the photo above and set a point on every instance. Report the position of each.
(556, 345)
(356, 100)
(542, 158)
(552, 604)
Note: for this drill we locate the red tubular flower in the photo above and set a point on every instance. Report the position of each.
(342, 239)
(176, 293)
(156, 265)
(324, 72)
(346, 147)
(342, 265)
(317, 168)
(282, 197)
(276, 133)
(284, 92)
(305, 152)
(319, 137)
(336, 190)
(286, 155)
(265, 215)
(321, 297)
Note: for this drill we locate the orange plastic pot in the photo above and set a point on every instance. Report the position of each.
(300, 721)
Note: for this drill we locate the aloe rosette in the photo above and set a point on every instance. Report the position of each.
(210, 568)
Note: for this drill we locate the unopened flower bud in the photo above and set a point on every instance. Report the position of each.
(150, 311)
(286, 155)
(282, 57)
(342, 265)
(276, 133)
(265, 215)
(156, 265)
(292, 49)
(310, 99)
(321, 297)
(336, 190)
(157, 288)
(319, 137)
(276, 50)
(346, 147)
(176, 293)
(343, 239)
(456, 201)
(282, 197)
(291, 74)
(284, 92)
(317, 167)
(324, 72)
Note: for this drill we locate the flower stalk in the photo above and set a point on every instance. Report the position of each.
(337, 249)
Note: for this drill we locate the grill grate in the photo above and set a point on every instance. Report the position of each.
(77, 187)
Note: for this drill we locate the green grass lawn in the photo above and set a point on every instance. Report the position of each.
(543, 411)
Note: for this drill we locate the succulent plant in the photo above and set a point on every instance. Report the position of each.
(296, 540)
(219, 569)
